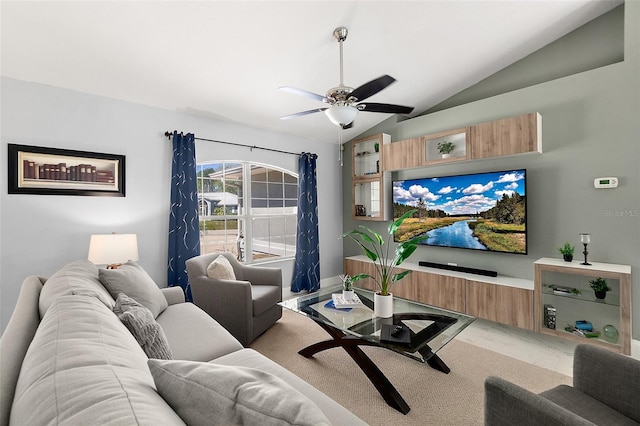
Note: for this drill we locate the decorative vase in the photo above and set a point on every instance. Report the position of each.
(383, 305)
(348, 294)
(600, 294)
(610, 333)
(567, 257)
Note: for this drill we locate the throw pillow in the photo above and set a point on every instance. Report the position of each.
(134, 281)
(140, 322)
(221, 269)
(211, 394)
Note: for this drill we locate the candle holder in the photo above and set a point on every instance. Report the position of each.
(585, 239)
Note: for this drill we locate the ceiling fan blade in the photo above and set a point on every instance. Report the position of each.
(390, 108)
(371, 88)
(302, 113)
(301, 92)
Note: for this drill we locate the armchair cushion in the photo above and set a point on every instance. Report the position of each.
(586, 407)
(264, 297)
(221, 269)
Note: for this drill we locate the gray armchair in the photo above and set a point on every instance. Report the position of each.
(606, 391)
(246, 306)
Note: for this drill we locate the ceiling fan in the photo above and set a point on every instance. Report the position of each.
(344, 102)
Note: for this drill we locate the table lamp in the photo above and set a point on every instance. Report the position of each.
(113, 249)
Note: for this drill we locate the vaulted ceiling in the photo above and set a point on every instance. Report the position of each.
(226, 59)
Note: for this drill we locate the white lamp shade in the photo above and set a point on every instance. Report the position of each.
(341, 115)
(108, 249)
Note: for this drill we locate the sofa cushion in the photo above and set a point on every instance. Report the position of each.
(193, 335)
(221, 269)
(200, 392)
(336, 413)
(140, 322)
(84, 367)
(80, 277)
(134, 281)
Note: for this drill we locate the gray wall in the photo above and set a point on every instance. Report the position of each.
(41, 233)
(591, 128)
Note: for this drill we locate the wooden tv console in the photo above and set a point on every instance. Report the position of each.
(506, 300)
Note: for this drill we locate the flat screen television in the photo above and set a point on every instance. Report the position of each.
(480, 211)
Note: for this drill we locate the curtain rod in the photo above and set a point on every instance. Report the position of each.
(168, 134)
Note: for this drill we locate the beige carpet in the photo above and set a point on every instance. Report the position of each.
(435, 398)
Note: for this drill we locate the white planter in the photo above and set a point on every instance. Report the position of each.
(348, 294)
(446, 155)
(383, 305)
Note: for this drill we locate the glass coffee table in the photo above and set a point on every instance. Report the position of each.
(416, 330)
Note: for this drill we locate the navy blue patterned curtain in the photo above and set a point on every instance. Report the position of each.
(184, 231)
(306, 272)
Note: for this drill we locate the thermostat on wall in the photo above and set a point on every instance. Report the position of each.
(605, 182)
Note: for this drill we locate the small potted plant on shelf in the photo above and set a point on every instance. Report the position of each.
(376, 147)
(445, 148)
(567, 251)
(600, 287)
(347, 287)
(376, 249)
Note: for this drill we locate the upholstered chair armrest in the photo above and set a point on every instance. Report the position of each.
(222, 298)
(174, 295)
(262, 275)
(507, 404)
(609, 377)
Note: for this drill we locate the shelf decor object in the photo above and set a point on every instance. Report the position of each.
(52, 171)
(585, 239)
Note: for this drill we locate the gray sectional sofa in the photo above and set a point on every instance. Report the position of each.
(67, 358)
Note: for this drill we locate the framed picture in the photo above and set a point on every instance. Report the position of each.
(52, 171)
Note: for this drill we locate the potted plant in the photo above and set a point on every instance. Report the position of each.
(376, 147)
(445, 148)
(600, 287)
(377, 250)
(347, 287)
(567, 251)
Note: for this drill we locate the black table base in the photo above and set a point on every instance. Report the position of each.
(351, 345)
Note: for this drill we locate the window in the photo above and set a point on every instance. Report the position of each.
(248, 209)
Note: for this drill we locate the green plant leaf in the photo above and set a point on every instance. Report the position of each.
(378, 237)
(400, 275)
(360, 277)
(393, 226)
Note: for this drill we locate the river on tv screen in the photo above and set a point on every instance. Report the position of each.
(484, 211)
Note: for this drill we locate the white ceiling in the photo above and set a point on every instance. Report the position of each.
(227, 59)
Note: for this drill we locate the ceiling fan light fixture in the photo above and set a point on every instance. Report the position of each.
(341, 115)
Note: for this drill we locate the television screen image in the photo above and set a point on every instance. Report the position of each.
(481, 211)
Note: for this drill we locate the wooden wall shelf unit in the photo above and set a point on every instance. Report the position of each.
(502, 299)
(508, 136)
(370, 184)
(406, 154)
(615, 309)
(458, 137)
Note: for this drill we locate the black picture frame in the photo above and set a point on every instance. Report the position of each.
(53, 171)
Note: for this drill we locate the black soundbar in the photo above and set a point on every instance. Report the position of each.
(458, 268)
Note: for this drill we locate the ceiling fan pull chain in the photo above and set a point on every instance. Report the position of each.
(340, 146)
